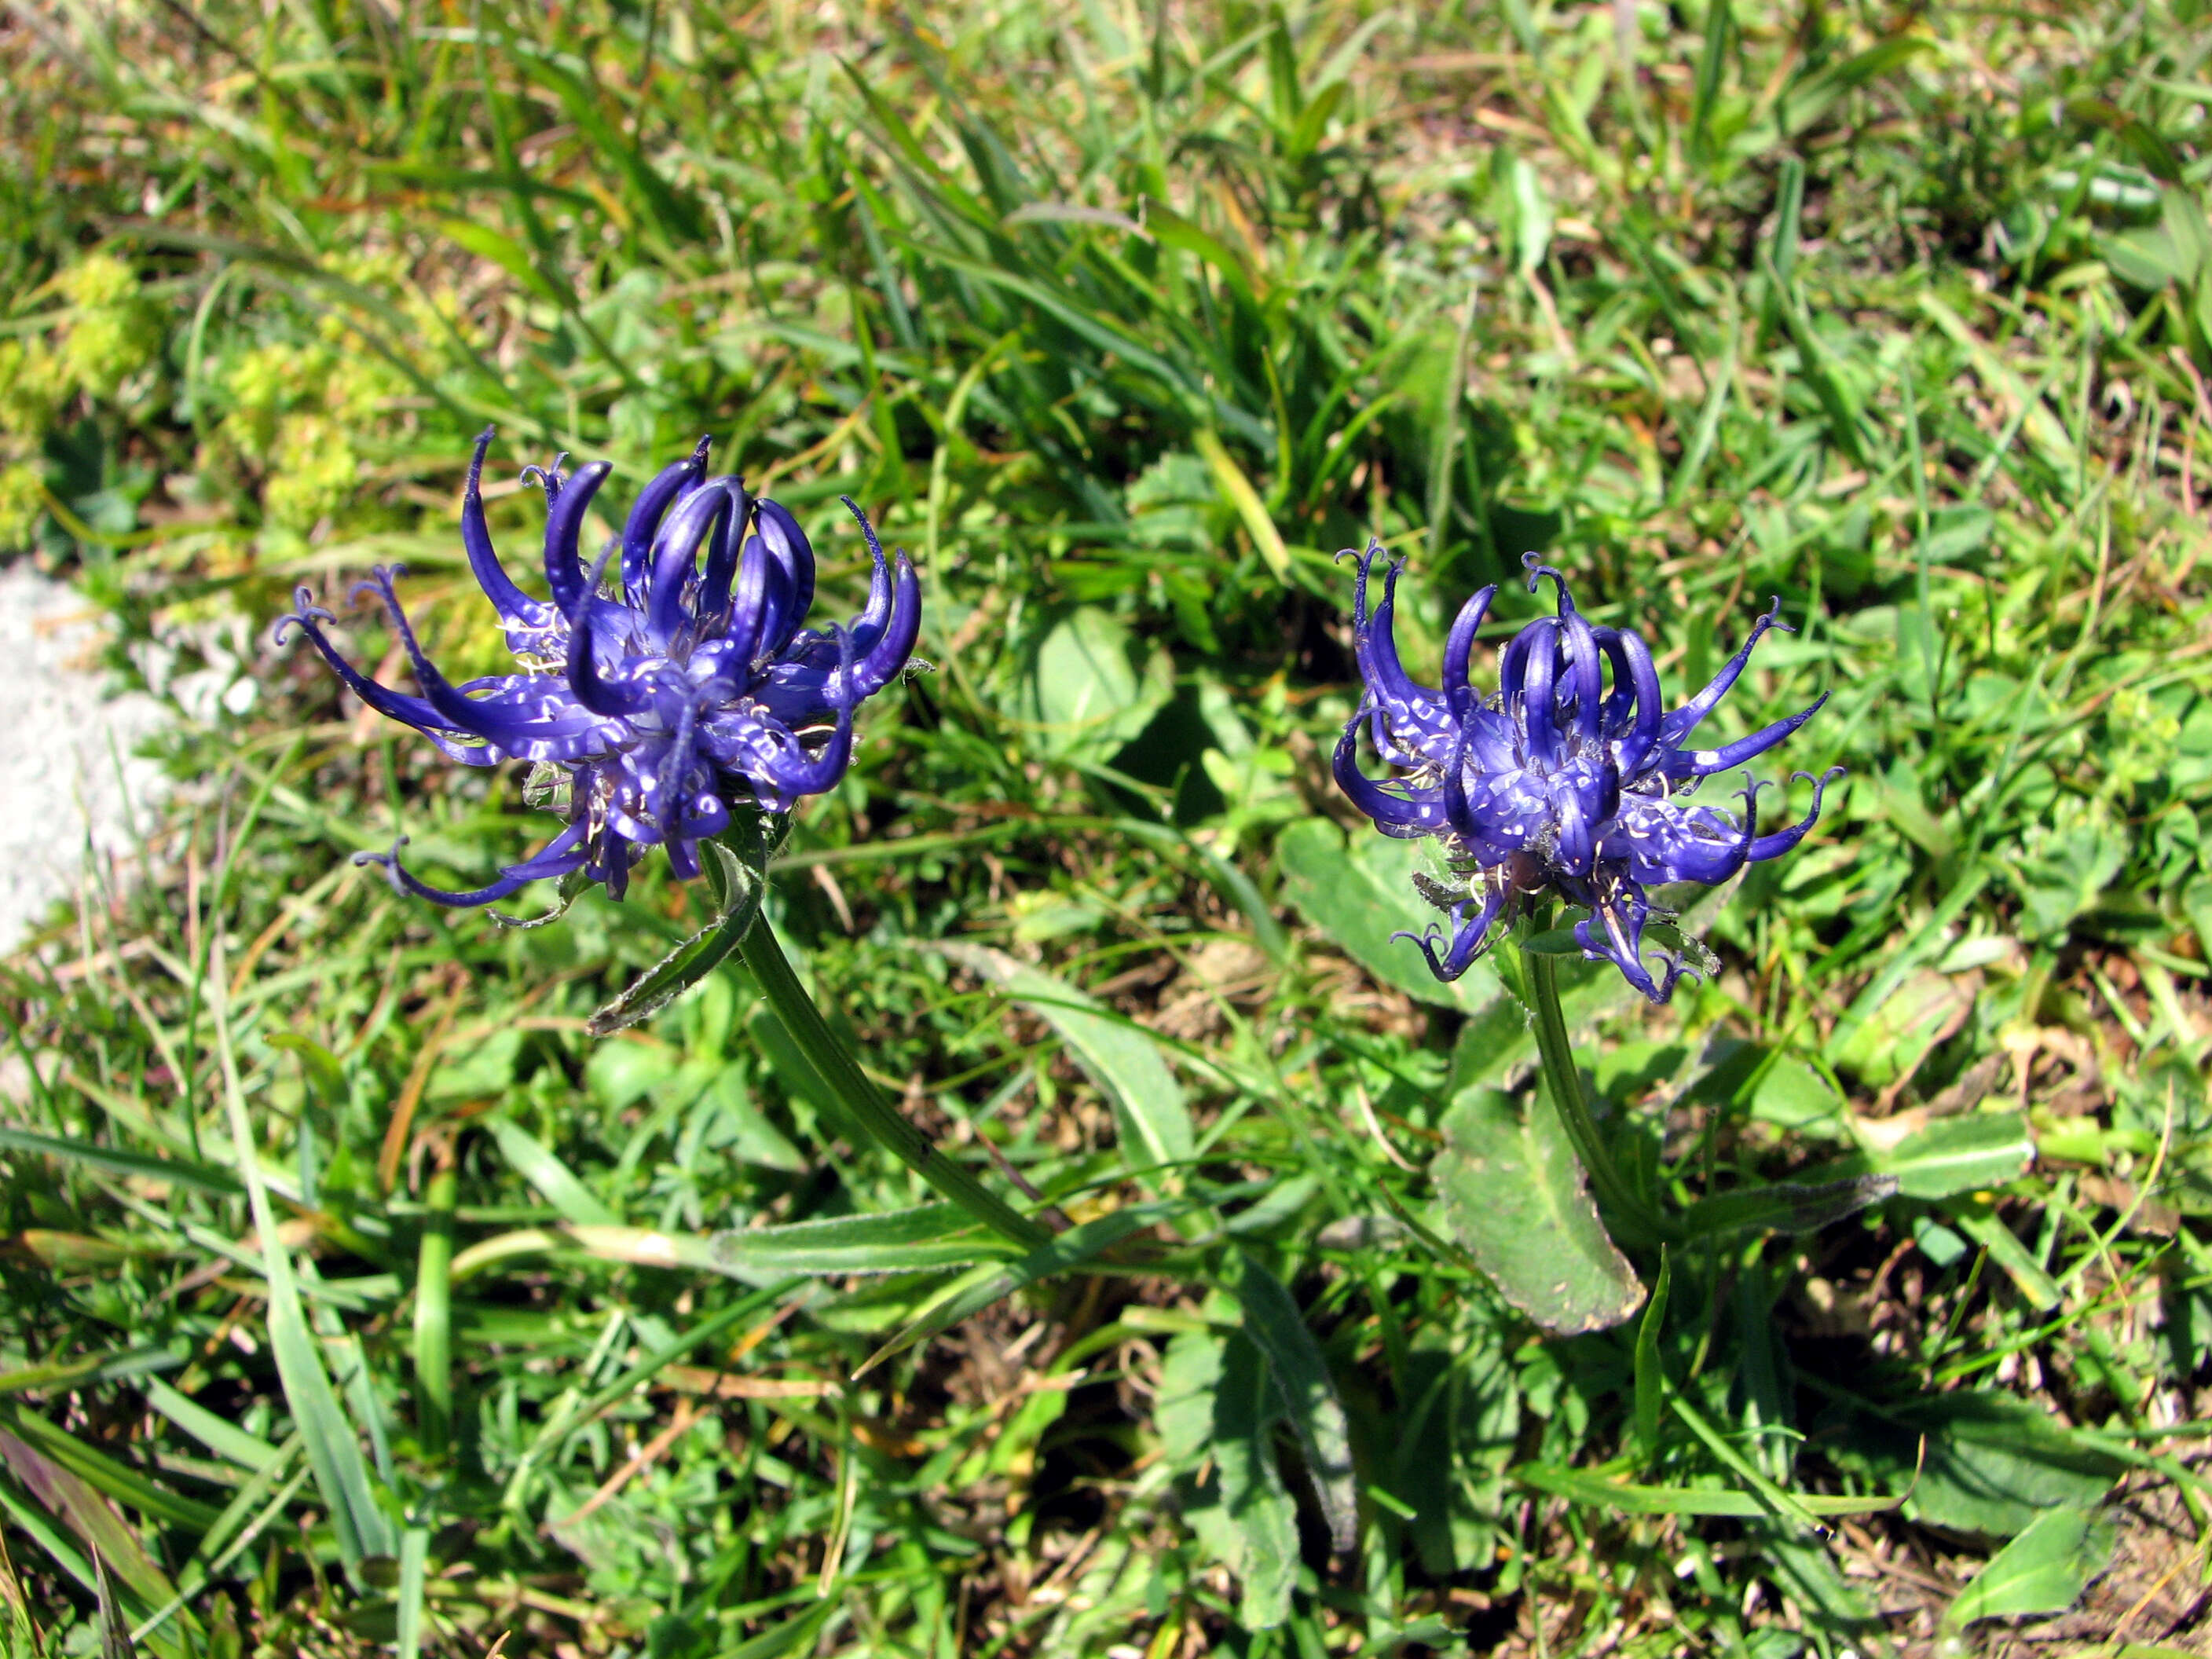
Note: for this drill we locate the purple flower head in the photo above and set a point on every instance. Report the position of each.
(662, 686)
(1570, 780)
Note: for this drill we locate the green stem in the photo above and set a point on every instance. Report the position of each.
(841, 1074)
(434, 1365)
(1564, 1084)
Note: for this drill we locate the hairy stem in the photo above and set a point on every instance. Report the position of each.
(1631, 1214)
(841, 1074)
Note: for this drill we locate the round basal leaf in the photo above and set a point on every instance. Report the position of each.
(1514, 1198)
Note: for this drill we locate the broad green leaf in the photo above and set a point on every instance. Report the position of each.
(530, 1158)
(1362, 892)
(1087, 695)
(1994, 1461)
(895, 1241)
(2043, 1569)
(1787, 1207)
(1951, 1155)
(1514, 1198)
(1279, 1330)
(1215, 1411)
(1122, 1059)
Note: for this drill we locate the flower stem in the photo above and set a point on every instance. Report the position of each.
(1631, 1214)
(841, 1074)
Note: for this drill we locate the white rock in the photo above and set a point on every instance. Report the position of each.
(69, 779)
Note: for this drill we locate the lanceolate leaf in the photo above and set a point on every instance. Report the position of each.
(1585, 1487)
(1217, 1408)
(333, 1444)
(532, 1160)
(738, 880)
(1951, 1155)
(81, 1508)
(972, 1293)
(895, 1241)
(1786, 1207)
(1279, 1330)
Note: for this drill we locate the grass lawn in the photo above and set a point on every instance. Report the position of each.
(358, 1300)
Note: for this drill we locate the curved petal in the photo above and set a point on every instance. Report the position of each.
(1458, 652)
(1702, 763)
(645, 513)
(889, 652)
(1470, 936)
(878, 610)
(1537, 570)
(1585, 680)
(1376, 648)
(675, 558)
(1634, 669)
(675, 771)
(523, 732)
(1624, 916)
(1665, 843)
(564, 522)
(392, 705)
(1537, 638)
(1574, 825)
(748, 605)
(1538, 688)
(612, 699)
(1683, 721)
(721, 564)
(1393, 815)
(556, 858)
(796, 771)
(792, 551)
(515, 608)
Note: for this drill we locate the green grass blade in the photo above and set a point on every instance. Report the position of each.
(333, 1447)
(1122, 1059)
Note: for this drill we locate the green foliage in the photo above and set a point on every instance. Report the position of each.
(428, 1318)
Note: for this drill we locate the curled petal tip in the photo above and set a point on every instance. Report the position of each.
(1537, 570)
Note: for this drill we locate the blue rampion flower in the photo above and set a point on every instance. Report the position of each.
(652, 706)
(1559, 782)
